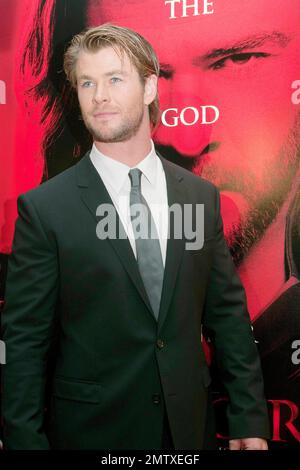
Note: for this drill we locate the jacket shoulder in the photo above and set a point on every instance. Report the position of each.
(56, 187)
(189, 177)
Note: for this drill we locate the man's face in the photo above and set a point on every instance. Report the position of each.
(111, 95)
(242, 59)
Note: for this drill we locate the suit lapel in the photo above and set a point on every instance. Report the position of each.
(175, 247)
(94, 192)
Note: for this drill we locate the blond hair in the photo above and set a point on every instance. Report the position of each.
(139, 51)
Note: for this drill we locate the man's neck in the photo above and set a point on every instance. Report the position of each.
(130, 152)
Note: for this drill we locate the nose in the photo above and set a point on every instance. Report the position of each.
(189, 136)
(101, 94)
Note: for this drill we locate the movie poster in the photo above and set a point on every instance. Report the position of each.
(229, 91)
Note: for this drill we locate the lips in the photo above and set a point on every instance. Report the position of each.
(105, 114)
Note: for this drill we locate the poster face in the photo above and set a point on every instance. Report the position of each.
(229, 91)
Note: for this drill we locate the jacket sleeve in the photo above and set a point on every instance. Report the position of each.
(227, 319)
(28, 322)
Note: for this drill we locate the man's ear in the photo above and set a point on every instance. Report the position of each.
(150, 89)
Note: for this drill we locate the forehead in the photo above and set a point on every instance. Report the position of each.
(102, 61)
(231, 20)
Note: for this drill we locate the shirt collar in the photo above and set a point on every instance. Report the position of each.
(148, 165)
(116, 173)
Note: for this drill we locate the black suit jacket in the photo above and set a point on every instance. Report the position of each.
(81, 301)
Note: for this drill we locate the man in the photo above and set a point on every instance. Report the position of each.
(129, 373)
(231, 59)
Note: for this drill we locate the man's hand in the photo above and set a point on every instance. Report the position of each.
(249, 443)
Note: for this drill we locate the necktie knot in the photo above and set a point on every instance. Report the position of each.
(135, 177)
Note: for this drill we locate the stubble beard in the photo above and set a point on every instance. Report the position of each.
(242, 236)
(249, 231)
(126, 130)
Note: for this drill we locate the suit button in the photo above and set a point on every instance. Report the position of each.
(160, 343)
(156, 399)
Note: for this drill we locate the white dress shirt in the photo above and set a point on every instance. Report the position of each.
(114, 175)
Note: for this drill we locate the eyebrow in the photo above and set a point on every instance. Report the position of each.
(166, 70)
(250, 42)
(276, 38)
(107, 74)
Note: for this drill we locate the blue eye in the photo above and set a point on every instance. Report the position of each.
(86, 84)
(115, 79)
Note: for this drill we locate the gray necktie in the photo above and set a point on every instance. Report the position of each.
(148, 250)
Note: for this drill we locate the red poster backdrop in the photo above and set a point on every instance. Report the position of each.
(228, 89)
